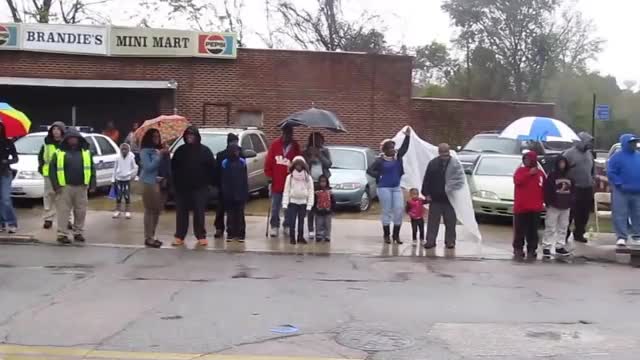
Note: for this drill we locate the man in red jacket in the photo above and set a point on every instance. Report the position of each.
(527, 206)
(276, 168)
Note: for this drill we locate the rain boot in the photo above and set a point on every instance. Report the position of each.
(387, 234)
(396, 234)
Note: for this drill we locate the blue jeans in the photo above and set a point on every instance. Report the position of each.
(276, 207)
(625, 207)
(392, 202)
(7, 213)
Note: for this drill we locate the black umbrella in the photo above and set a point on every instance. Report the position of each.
(316, 119)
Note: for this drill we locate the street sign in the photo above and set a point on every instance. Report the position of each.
(603, 112)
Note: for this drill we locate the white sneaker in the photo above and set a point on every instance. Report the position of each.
(116, 214)
(12, 229)
(621, 242)
(285, 230)
(274, 232)
(312, 235)
(635, 242)
(127, 215)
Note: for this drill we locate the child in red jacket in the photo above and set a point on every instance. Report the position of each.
(527, 206)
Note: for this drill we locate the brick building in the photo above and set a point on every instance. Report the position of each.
(370, 93)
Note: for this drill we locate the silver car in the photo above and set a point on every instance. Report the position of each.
(349, 180)
(491, 184)
(251, 139)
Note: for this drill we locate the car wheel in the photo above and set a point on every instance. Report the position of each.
(365, 201)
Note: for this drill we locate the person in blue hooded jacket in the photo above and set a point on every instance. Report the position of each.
(623, 171)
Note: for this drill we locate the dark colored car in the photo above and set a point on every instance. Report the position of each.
(492, 143)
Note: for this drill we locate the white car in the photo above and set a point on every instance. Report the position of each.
(29, 184)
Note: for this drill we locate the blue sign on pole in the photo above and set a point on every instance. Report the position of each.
(603, 112)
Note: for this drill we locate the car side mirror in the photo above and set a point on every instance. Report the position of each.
(248, 153)
(458, 148)
(94, 153)
(468, 172)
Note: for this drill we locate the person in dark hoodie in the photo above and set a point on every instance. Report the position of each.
(235, 182)
(581, 171)
(193, 170)
(232, 139)
(51, 144)
(72, 174)
(8, 156)
(623, 171)
(558, 196)
(527, 205)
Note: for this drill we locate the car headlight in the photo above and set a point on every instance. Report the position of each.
(28, 175)
(348, 186)
(483, 194)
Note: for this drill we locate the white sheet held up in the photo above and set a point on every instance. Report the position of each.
(415, 164)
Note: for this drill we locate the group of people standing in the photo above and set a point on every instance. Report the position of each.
(444, 175)
(566, 194)
(299, 184)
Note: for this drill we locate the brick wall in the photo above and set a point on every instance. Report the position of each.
(371, 93)
(455, 121)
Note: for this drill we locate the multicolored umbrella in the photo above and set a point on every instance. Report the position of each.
(15, 122)
(170, 126)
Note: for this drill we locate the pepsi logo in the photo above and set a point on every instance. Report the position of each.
(5, 35)
(215, 44)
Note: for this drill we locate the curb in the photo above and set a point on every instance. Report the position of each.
(18, 239)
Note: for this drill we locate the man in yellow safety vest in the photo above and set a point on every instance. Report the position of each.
(72, 174)
(51, 143)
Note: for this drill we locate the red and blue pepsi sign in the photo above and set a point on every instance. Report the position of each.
(8, 36)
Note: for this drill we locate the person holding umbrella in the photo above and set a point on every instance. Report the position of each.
(276, 167)
(8, 156)
(319, 160)
(581, 171)
(152, 157)
(388, 170)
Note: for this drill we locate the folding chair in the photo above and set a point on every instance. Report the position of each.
(601, 198)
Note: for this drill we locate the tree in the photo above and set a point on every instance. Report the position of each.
(432, 64)
(46, 11)
(327, 28)
(526, 37)
(630, 84)
(203, 15)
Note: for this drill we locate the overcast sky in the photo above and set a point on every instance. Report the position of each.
(416, 22)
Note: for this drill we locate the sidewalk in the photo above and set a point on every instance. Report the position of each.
(350, 236)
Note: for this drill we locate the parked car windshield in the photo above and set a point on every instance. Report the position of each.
(492, 144)
(347, 159)
(498, 166)
(29, 145)
(215, 142)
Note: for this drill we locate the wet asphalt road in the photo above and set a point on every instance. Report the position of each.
(345, 306)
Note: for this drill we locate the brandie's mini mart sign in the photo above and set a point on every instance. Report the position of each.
(117, 41)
